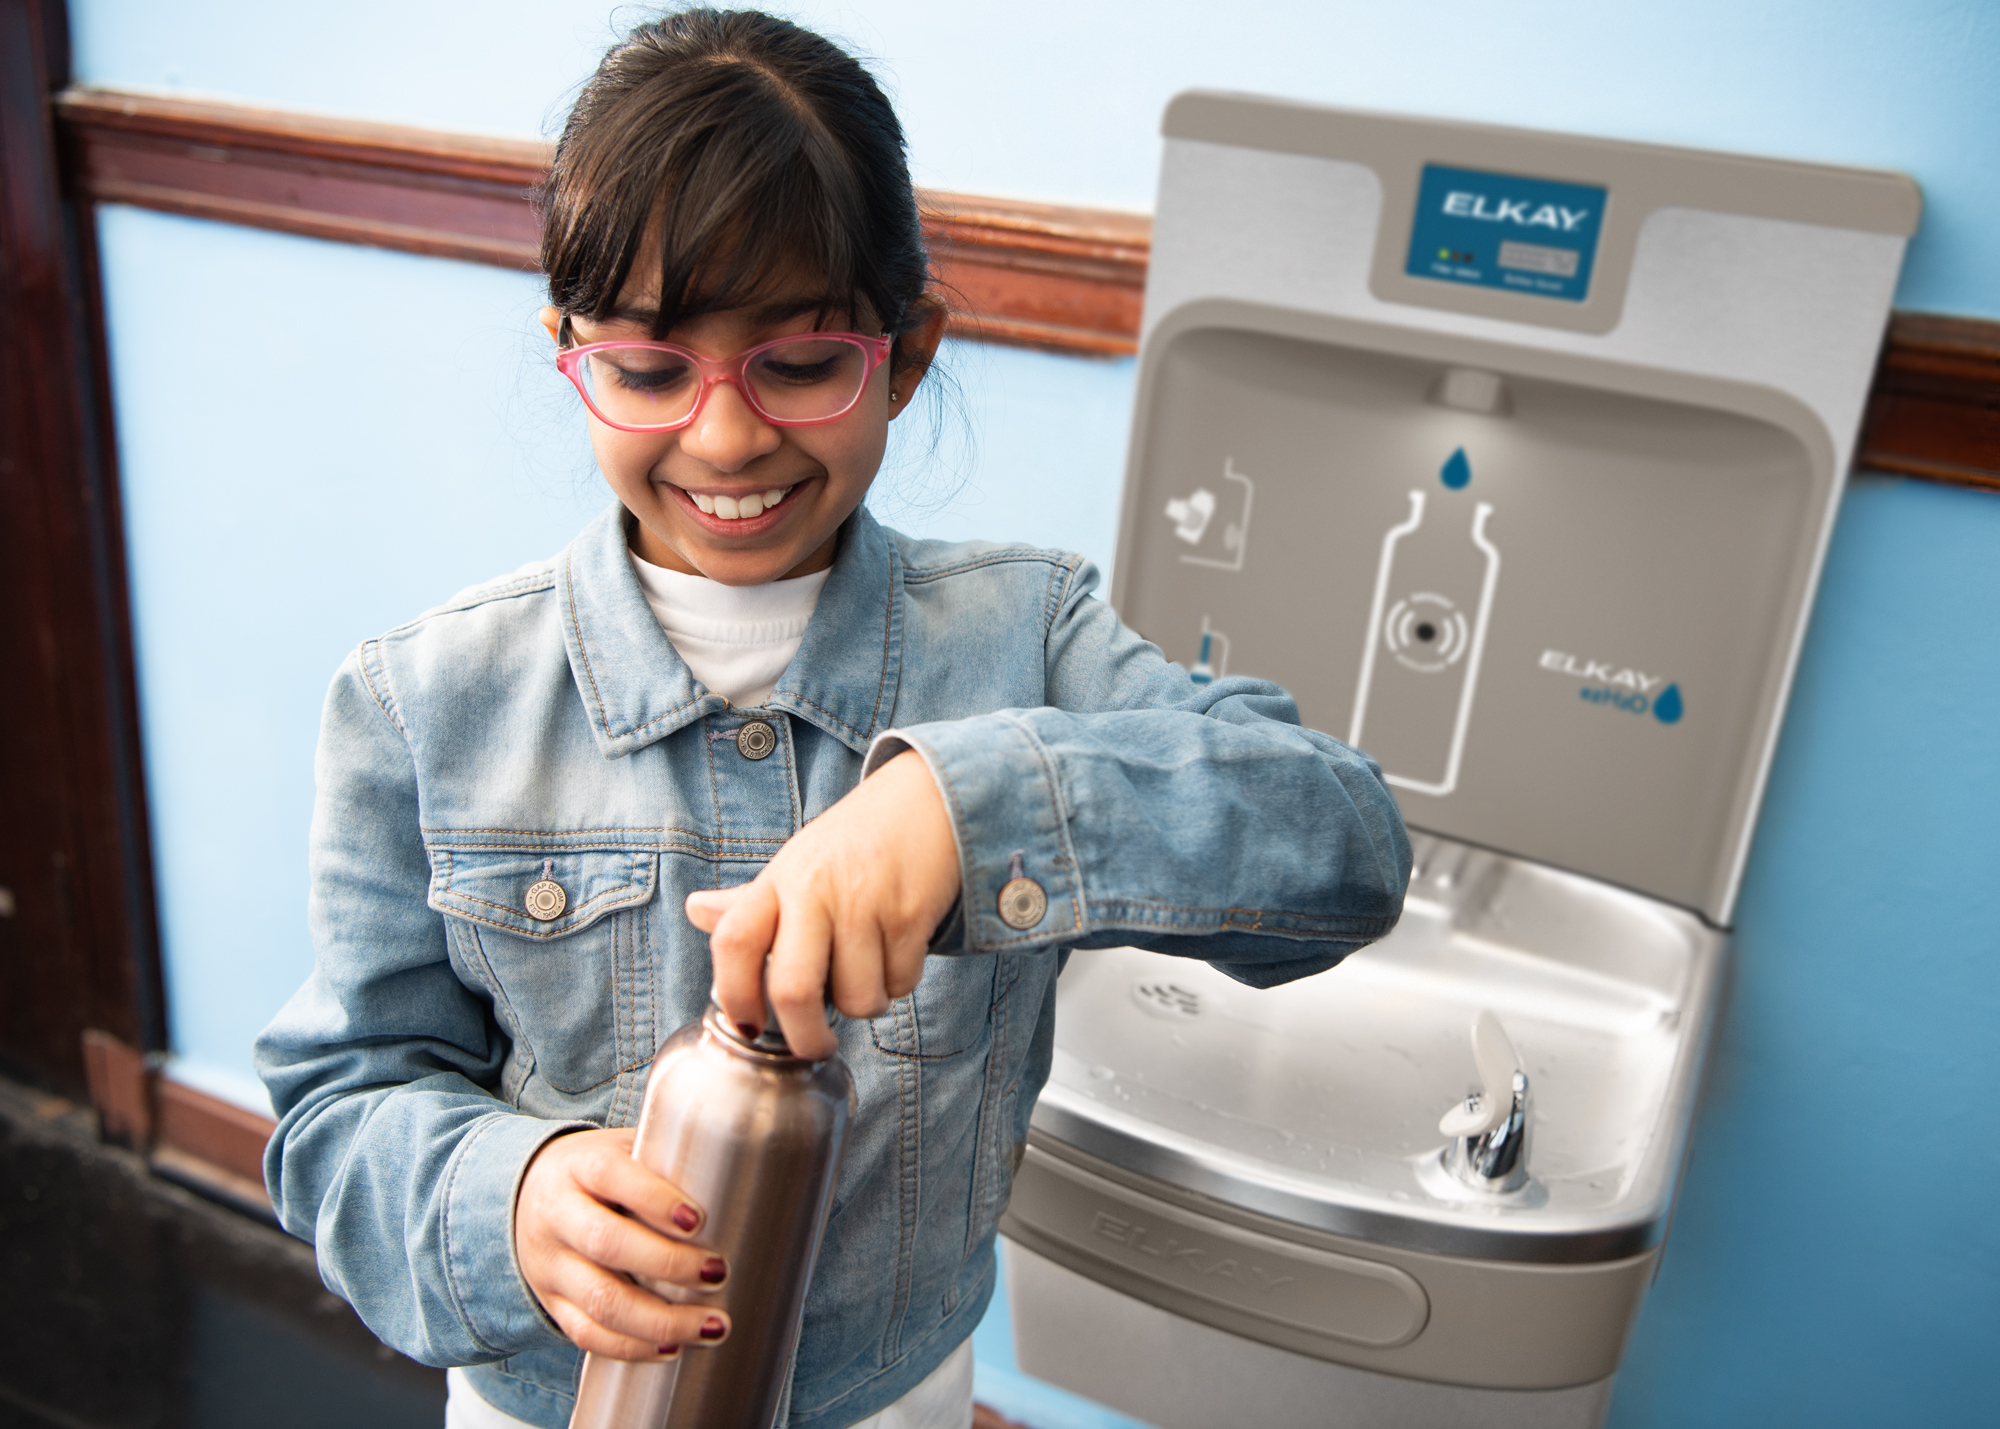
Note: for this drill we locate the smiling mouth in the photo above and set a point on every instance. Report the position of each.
(743, 507)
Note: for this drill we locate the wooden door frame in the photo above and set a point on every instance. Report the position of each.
(79, 940)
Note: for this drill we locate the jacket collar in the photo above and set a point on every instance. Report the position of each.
(636, 688)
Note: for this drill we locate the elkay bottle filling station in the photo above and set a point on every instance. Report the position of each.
(1515, 457)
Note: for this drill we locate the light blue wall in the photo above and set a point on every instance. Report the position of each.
(1833, 1261)
(1059, 100)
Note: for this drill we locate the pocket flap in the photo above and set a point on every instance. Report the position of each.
(491, 886)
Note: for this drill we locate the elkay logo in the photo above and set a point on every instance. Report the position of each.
(1192, 1258)
(1460, 204)
(1619, 687)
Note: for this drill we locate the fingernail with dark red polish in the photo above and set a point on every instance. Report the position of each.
(667, 1352)
(749, 1032)
(713, 1329)
(686, 1217)
(713, 1271)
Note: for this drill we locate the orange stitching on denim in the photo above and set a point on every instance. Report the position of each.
(576, 624)
(503, 588)
(450, 1259)
(1070, 884)
(831, 716)
(1010, 555)
(383, 704)
(577, 913)
(527, 932)
(1127, 910)
(888, 628)
(1058, 596)
(603, 716)
(688, 842)
(792, 776)
(714, 798)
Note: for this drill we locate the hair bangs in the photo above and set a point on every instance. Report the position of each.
(754, 163)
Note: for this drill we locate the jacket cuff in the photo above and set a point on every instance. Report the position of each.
(1021, 887)
(482, 1187)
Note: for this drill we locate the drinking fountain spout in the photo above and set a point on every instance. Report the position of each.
(1489, 1129)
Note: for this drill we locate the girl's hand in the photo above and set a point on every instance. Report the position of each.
(576, 1250)
(849, 904)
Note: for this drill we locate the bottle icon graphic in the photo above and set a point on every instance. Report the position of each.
(1426, 635)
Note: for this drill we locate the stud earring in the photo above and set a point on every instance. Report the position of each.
(892, 395)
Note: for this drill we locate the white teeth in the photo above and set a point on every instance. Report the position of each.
(737, 508)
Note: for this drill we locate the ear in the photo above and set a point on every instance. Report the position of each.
(914, 351)
(551, 321)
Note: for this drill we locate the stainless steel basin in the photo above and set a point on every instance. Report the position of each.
(1255, 1178)
(1317, 1103)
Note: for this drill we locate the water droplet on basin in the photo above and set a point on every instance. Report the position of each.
(1103, 1074)
(1667, 708)
(1457, 472)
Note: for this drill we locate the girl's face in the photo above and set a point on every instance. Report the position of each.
(728, 450)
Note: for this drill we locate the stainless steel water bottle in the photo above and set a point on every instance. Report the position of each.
(753, 1135)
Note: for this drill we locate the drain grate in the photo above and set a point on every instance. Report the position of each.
(1166, 999)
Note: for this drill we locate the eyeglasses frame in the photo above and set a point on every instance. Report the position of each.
(875, 350)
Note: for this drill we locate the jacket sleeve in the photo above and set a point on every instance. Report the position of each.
(391, 1154)
(1199, 820)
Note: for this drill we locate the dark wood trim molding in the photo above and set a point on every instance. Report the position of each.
(1039, 275)
(445, 195)
(186, 1135)
(1066, 279)
(77, 941)
(1934, 411)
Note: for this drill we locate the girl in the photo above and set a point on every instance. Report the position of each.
(738, 740)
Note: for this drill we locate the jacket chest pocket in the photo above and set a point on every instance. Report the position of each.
(563, 943)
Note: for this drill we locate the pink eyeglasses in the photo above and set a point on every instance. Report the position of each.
(795, 381)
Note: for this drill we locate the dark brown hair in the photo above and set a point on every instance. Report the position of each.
(751, 151)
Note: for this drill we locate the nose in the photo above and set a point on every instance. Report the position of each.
(727, 433)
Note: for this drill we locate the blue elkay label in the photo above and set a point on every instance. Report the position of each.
(1500, 231)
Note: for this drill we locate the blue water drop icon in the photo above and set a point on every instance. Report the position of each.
(1457, 473)
(1667, 708)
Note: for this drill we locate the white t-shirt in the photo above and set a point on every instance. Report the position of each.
(736, 638)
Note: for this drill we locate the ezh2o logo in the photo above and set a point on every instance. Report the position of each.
(1619, 687)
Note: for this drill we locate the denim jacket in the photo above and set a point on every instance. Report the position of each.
(543, 727)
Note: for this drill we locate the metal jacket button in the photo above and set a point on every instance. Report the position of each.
(756, 739)
(1022, 903)
(546, 899)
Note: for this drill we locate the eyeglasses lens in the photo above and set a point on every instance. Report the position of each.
(808, 380)
(640, 386)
